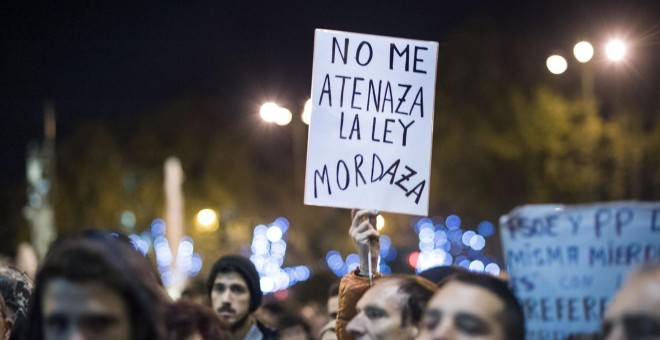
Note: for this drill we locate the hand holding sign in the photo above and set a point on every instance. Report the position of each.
(366, 238)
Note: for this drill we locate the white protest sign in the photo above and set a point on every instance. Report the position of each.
(372, 122)
(566, 262)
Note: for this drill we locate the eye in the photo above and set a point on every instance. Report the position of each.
(374, 313)
(219, 287)
(432, 320)
(56, 323)
(471, 324)
(97, 324)
(236, 289)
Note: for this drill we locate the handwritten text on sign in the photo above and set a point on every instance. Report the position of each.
(566, 262)
(371, 131)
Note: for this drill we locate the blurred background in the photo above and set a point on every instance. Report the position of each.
(96, 98)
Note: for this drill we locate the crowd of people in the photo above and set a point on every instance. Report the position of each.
(96, 285)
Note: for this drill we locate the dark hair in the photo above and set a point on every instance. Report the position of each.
(438, 274)
(415, 292)
(184, 318)
(109, 259)
(333, 290)
(291, 320)
(512, 317)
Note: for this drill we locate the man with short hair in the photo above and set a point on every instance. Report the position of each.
(235, 292)
(96, 285)
(634, 313)
(392, 308)
(473, 306)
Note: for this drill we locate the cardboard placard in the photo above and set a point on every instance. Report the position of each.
(566, 262)
(371, 130)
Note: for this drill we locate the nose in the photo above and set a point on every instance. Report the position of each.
(226, 296)
(76, 334)
(444, 330)
(356, 325)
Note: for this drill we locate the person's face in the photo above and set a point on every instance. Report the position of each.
(462, 311)
(230, 297)
(635, 310)
(333, 307)
(87, 310)
(379, 315)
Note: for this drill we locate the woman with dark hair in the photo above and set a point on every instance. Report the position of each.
(96, 284)
(187, 320)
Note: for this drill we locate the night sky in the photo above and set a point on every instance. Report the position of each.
(121, 59)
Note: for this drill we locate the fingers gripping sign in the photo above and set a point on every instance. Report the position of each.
(366, 238)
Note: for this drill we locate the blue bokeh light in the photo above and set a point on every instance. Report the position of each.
(486, 229)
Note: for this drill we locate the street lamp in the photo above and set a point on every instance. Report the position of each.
(207, 220)
(556, 64)
(615, 50)
(273, 113)
(583, 51)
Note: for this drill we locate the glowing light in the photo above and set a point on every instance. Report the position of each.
(301, 273)
(412, 259)
(476, 266)
(352, 260)
(453, 222)
(477, 242)
(615, 50)
(186, 247)
(266, 284)
(158, 227)
(467, 236)
(556, 64)
(583, 51)
(426, 235)
(207, 220)
(492, 269)
(455, 235)
(306, 115)
(380, 222)
(260, 230)
(422, 223)
(283, 117)
(486, 228)
(426, 245)
(385, 242)
(269, 112)
(283, 223)
(127, 219)
(274, 234)
(281, 294)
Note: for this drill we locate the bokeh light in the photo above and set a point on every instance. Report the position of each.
(207, 220)
(556, 64)
(615, 50)
(306, 115)
(583, 51)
